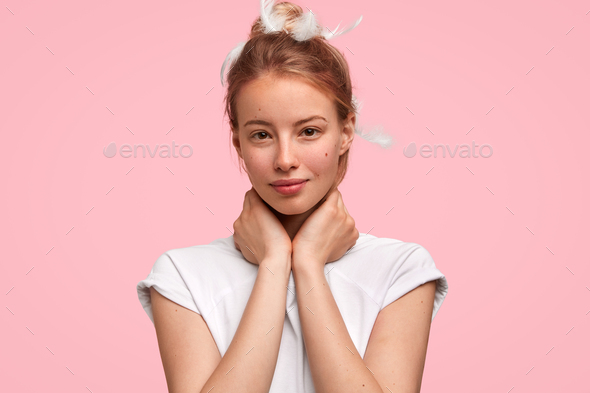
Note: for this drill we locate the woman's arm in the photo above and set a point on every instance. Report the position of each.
(335, 364)
(250, 361)
(187, 348)
(397, 347)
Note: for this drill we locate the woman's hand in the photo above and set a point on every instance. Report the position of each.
(326, 235)
(258, 233)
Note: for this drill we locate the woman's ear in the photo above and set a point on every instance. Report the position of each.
(348, 132)
(235, 138)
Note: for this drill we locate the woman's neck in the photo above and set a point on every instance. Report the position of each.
(292, 222)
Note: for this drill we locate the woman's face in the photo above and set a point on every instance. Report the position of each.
(279, 138)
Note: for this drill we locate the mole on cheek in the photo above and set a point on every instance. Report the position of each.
(326, 154)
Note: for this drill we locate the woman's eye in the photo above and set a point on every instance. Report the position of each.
(264, 135)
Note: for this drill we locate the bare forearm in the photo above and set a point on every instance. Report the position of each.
(335, 364)
(250, 360)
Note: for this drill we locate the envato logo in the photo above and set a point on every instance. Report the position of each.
(184, 151)
(466, 151)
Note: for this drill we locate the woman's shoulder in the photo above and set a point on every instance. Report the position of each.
(374, 257)
(387, 268)
(217, 258)
(195, 277)
(371, 245)
(205, 268)
(218, 248)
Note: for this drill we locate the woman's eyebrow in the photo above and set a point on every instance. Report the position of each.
(297, 123)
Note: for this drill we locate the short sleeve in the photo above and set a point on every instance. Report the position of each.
(415, 269)
(167, 280)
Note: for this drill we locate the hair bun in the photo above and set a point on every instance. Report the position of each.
(286, 11)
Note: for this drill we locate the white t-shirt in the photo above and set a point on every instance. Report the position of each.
(215, 280)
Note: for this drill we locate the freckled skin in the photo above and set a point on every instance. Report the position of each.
(285, 151)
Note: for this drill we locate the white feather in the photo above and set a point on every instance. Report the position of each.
(271, 21)
(231, 57)
(357, 104)
(331, 34)
(306, 27)
(265, 12)
(375, 135)
(277, 23)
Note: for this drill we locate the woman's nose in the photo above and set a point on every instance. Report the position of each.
(286, 157)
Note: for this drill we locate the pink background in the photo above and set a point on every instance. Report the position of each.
(81, 230)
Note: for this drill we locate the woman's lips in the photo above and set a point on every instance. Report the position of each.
(290, 190)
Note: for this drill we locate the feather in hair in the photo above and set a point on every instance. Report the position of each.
(329, 34)
(231, 57)
(306, 27)
(271, 21)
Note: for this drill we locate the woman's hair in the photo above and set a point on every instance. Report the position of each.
(278, 54)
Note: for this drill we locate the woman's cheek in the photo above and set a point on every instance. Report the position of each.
(257, 165)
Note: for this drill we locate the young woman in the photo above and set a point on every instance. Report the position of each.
(297, 300)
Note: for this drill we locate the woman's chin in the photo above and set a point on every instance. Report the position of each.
(288, 208)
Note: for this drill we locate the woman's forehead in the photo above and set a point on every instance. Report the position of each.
(281, 100)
